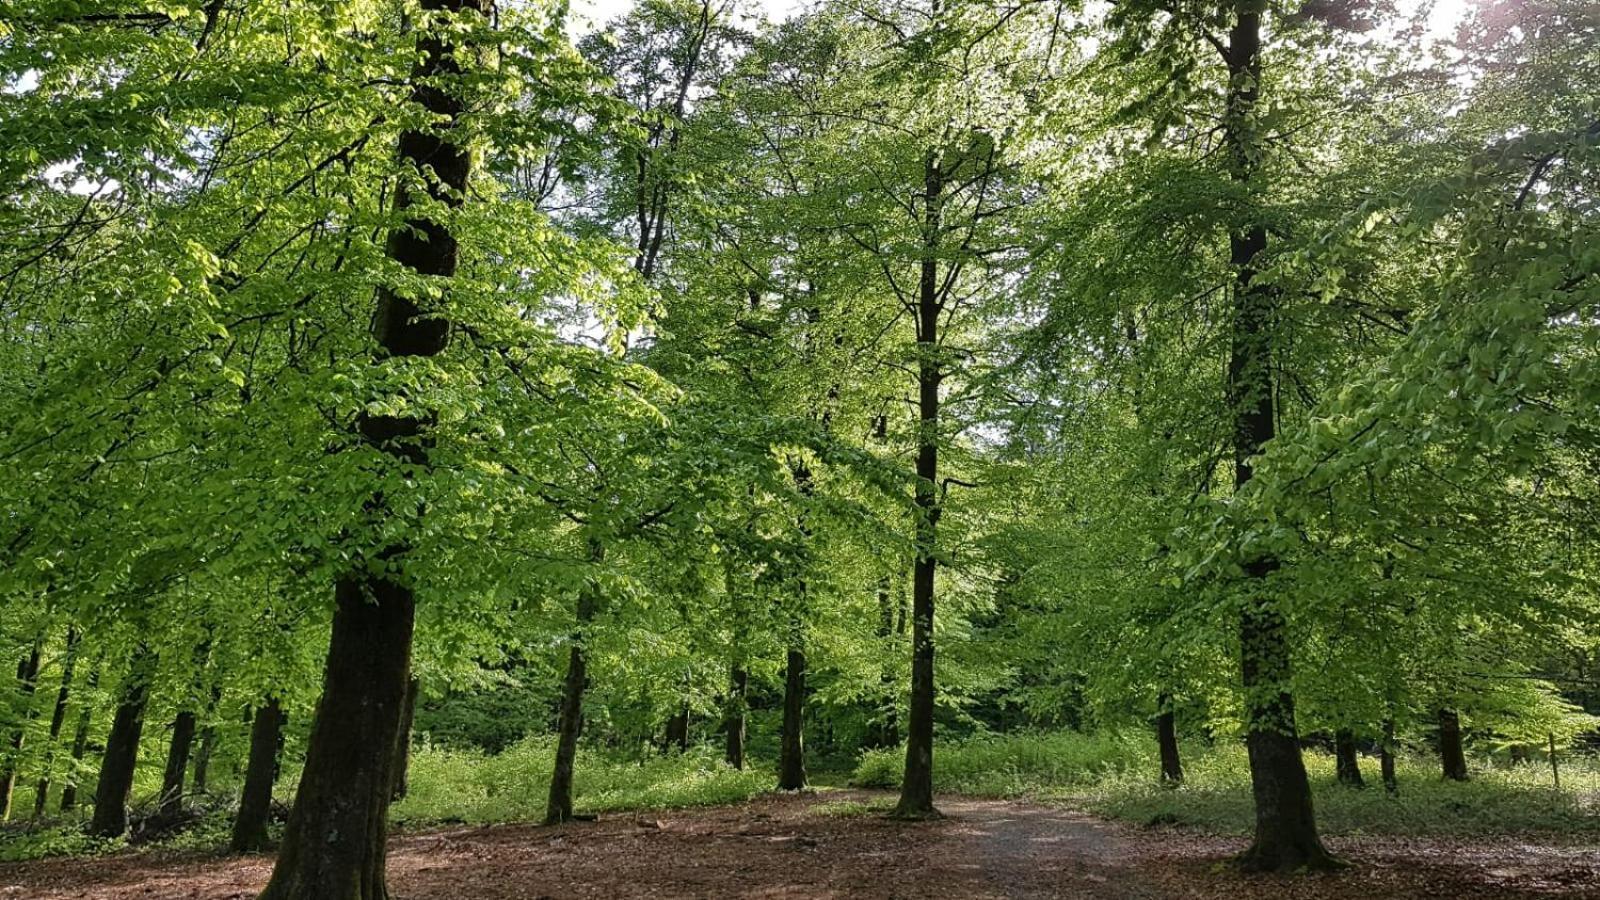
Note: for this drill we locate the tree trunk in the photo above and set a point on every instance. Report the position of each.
(1391, 783)
(1347, 762)
(792, 751)
(208, 739)
(255, 802)
(333, 848)
(58, 718)
(1286, 832)
(884, 730)
(183, 728)
(1451, 754)
(402, 744)
(80, 742)
(677, 735)
(733, 727)
(1167, 740)
(916, 789)
(27, 682)
(569, 725)
(122, 750)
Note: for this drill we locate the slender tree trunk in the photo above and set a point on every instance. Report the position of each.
(183, 728)
(80, 742)
(1167, 740)
(58, 719)
(884, 730)
(916, 789)
(569, 725)
(402, 744)
(1451, 754)
(333, 847)
(1286, 831)
(122, 750)
(208, 739)
(733, 727)
(1347, 762)
(1391, 783)
(792, 750)
(255, 802)
(27, 683)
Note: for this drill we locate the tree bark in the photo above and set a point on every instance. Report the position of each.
(569, 724)
(733, 724)
(916, 789)
(1391, 783)
(402, 744)
(58, 719)
(208, 740)
(884, 730)
(1167, 741)
(792, 750)
(1347, 762)
(255, 802)
(183, 729)
(678, 731)
(122, 750)
(333, 847)
(27, 683)
(80, 743)
(1451, 754)
(1285, 832)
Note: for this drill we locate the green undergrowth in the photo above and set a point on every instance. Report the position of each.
(472, 787)
(1113, 774)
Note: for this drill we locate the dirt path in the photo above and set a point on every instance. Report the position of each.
(783, 847)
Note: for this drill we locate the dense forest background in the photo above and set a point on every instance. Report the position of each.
(407, 389)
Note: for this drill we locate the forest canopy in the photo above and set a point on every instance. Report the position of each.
(397, 377)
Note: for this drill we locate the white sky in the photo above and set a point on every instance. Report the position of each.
(587, 15)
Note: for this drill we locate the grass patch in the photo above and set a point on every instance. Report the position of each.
(1017, 765)
(850, 809)
(1114, 774)
(512, 786)
(18, 845)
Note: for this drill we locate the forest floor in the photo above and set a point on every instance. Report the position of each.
(834, 845)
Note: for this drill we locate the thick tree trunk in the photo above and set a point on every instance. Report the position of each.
(733, 725)
(1286, 832)
(1347, 762)
(333, 848)
(1391, 783)
(1167, 741)
(80, 743)
(27, 683)
(402, 744)
(122, 750)
(183, 728)
(916, 789)
(255, 802)
(58, 719)
(334, 845)
(792, 750)
(1451, 754)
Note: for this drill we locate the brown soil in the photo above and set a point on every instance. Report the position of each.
(782, 846)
